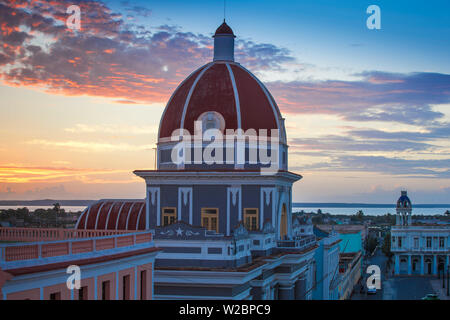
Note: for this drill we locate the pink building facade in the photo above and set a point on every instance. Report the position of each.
(113, 265)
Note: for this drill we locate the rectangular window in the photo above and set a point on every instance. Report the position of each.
(441, 242)
(55, 296)
(105, 290)
(83, 293)
(416, 243)
(399, 242)
(210, 219)
(169, 216)
(428, 242)
(126, 287)
(143, 285)
(251, 219)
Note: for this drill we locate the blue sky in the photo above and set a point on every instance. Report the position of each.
(367, 111)
(414, 35)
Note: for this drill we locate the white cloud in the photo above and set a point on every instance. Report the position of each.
(112, 129)
(91, 146)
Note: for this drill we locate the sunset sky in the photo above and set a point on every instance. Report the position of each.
(367, 111)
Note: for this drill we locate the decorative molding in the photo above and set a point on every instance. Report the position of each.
(167, 233)
(191, 233)
(240, 232)
(182, 231)
(153, 199)
(268, 228)
(267, 192)
(152, 194)
(183, 193)
(233, 192)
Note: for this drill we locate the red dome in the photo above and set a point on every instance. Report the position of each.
(113, 215)
(226, 88)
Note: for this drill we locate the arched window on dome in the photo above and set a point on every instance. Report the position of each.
(212, 120)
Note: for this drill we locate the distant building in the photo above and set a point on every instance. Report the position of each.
(328, 277)
(341, 220)
(418, 249)
(351, 251)
(350, 266)
(353, 236)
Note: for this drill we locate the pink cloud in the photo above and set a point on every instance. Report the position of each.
(108, 57)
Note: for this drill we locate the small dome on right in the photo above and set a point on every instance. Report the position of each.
(403, 201)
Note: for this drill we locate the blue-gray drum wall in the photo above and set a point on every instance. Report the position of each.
(250, 196)
(210, 196)
(165, 160)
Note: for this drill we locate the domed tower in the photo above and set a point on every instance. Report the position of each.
(404, 210)
(223, 100)
(222, 152)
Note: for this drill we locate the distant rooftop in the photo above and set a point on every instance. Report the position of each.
(342, 228)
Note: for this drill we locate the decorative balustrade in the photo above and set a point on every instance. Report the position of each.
(50, 234)
(297, 243)
(420, 227)
(18, 252)
(421, 249)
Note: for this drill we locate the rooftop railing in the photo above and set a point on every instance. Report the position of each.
(47, 249)
(51, 234)
(434, 227)
(297, 243)
(421, 249)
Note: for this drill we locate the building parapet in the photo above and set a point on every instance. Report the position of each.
(52, 234)
(331, 239)
(37, 252)
(422, 250)
(422, 227)
(299, 242)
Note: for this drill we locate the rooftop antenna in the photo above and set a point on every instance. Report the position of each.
(224, 9)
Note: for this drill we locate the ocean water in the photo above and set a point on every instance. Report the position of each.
(32, 208)
(325, 209)
(373, 211)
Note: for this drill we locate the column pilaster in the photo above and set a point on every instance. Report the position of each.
(397, 264)
(422, 263)
(434, 264)
(409, 264)
(286, 292)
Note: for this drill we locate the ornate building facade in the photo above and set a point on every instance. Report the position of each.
(40, 263)
(418, 249)
(219, 203)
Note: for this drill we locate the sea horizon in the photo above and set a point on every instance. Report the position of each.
(333, 208)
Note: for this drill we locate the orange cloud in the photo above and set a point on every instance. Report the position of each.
(29, 174)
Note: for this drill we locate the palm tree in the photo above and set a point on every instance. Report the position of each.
(57, 210)
(359, 215)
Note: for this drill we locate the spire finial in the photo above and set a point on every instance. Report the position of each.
(224, 10)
